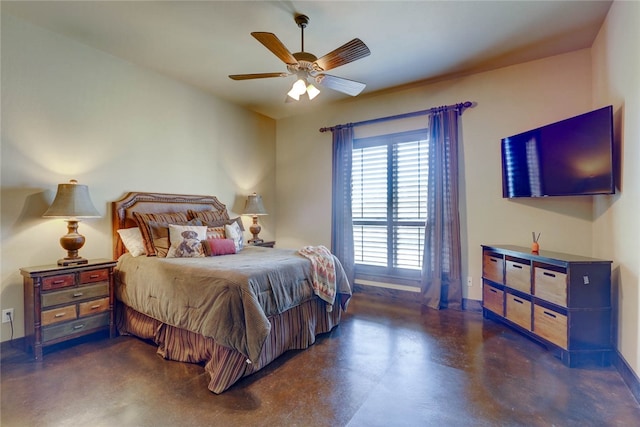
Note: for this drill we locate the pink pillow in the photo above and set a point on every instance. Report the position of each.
(221, 247)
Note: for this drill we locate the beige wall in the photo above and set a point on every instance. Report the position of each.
(70, 111)
(616, 81)
(509, 100)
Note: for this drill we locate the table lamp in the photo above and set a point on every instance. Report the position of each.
(72, 202)
(254, 207)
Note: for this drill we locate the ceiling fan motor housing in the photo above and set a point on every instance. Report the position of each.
(302, 20)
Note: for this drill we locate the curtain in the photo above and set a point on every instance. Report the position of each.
(441, 284)
(341, 222)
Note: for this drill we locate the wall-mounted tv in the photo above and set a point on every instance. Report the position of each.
(568, 158)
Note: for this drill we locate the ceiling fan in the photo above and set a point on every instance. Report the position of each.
(307, 66)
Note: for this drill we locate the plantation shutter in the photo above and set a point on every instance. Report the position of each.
(389, 183)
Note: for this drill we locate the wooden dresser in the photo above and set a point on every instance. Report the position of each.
(561, 300)
(62, 303)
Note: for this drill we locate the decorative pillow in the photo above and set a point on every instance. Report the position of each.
(160, 235)
(132, 240)
(166, 218)
(216, 233)
(159, 232)
(185, 241)
(208, 215)
(223, 222)
(234, 232)
(216, 247)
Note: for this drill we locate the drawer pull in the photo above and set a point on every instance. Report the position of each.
(549, 274)
(493, 290)
(78, 327)
(60, 314)
(93, 307)
(78, 294)
(57, 282)
(549, 314)
(518, 301)
(493, 260)
(94, 276)
(517, 266)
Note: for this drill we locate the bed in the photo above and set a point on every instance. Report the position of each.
(233, 313)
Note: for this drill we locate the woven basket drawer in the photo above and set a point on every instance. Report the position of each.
(550, 285)
(492, 267)
(493, 299)
(550, 325)
(518, 311)
(518, 276)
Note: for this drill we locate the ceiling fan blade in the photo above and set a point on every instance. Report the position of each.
(350, 87)
(271, 42)
(256, 76)
(348, 52)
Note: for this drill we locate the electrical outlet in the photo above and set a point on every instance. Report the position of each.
(469, 281)
(7, 315)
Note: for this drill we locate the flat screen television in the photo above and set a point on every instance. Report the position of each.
(568, 158)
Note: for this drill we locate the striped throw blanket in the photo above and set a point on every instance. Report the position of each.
(323, 273)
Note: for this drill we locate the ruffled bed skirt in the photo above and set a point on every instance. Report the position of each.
(295, 329)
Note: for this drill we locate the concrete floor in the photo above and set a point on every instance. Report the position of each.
(385, 365)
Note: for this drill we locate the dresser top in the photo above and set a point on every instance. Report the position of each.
(542, 255)
(57, 269)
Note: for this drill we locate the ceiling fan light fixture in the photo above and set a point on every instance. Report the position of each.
(300, 86)
(293, 94)
(312, 91)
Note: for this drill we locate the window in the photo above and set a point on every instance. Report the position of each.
(389, 193)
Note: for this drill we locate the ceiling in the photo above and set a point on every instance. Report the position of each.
(411, 42)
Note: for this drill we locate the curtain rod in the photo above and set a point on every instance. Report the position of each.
(460, 107)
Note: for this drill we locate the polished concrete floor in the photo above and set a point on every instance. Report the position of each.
(385, 365)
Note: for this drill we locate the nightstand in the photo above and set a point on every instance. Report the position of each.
(62, 303)
(264, 244)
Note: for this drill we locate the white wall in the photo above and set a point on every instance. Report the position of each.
(70, 111)
(616, 81)
(509, 100)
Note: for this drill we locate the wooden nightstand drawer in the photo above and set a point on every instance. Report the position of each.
(58, 315)
(94, 276)
(518, 310)
(57, 282)
(93, 307)
(75, 295)
(492, 267)
(550, 325)
(550, 285)
(493, 299)
(75, 327)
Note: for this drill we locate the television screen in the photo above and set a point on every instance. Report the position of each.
(567, 158)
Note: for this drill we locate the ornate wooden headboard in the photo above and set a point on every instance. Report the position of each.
(122, 210)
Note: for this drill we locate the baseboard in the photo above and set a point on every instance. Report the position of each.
(7, 347)
(409, 296)
(628, 376)
(397, 294)
(472, 305)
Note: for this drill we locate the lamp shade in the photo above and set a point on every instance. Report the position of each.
(254, 206)
(72, 201)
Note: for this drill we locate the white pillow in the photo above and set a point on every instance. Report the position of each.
(132, 239)
(186, 241)
(234, 232)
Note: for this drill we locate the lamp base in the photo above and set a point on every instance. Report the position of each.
(255, 230)
(72, 261)
(72, 242)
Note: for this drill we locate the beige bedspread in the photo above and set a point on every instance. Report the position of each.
(227, 298)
